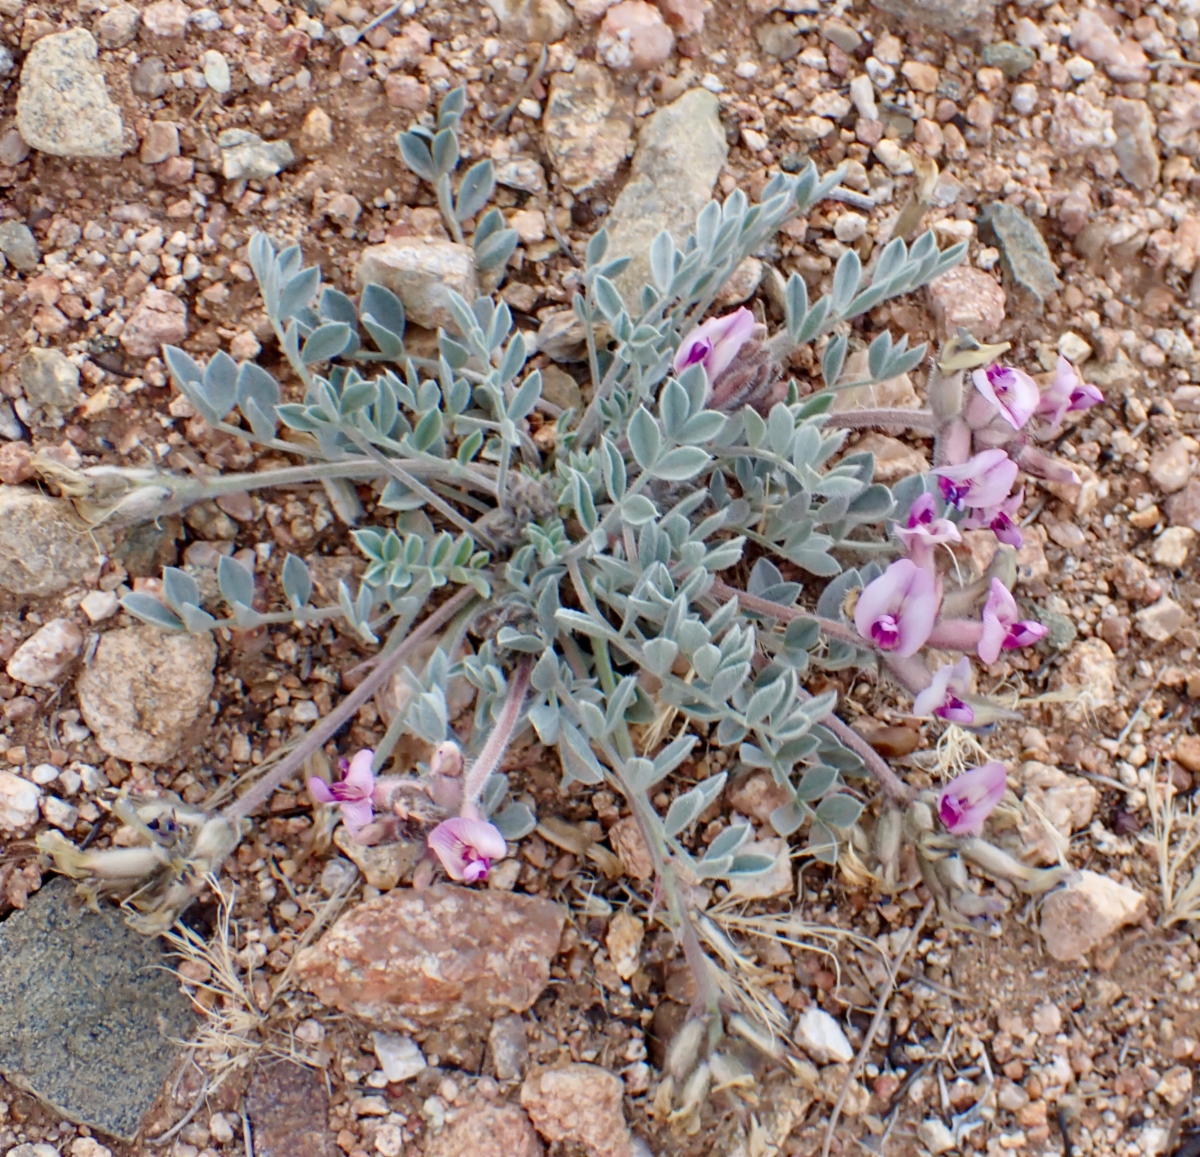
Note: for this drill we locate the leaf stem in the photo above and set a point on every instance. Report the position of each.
(328, 727)
(497, 743)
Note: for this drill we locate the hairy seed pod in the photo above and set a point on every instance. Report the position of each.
(953, 873)
(761, 1038)
(685, 1048)
(945, 394)
(889, 832)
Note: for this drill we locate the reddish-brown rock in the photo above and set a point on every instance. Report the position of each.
(443, 954)
(969, 298)
(578, 1103)
(288, 1108)
(485, 1130)
(159, 319)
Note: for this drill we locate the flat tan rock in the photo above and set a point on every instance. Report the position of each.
(1086, 912)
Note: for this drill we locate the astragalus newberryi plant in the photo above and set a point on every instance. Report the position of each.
(618, 583)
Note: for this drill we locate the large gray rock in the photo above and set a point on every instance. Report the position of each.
(1024, 254)
(419, 271)
(89, 1014)
(246, 156)
(960, 19)
(49, 379)
(144, 691)
(63, 107)
(679, 156)
(587, 127)
(43, 549)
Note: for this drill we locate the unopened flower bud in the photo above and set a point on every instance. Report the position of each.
(447, 760)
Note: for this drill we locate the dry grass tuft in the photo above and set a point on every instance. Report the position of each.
(1176, 840)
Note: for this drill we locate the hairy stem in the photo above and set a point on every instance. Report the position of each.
(497, 743)
(889, 782)
(346, 709)
(919, 421)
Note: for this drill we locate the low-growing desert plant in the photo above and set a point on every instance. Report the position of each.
(698, 541)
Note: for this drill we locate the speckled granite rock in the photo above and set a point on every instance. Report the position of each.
(87, 1011)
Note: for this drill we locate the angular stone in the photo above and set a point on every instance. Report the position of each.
(160, 141)
(46, 654)
(144, 690)
(159, 319)
(1183, 509)
(966, 297)
(49, 379)
(580, 1104)
(167, 18)
(819, 1035)
(419, 271)
(546, 21)
(400, 1057)
(1085, 912)
(19, 801)
(246, 156)
(1011, 59)
(1024, 254)
(1067, 802)
(89, 1013)
(965, 20)
(1173, 546)
(1161, 621)
(1093, 39)
(288, 1107)
(63, 107)
(118, 26)
(444, 954)
(626, 839)
(1170, 467)
(1137, 142)
(624, 943)
(634, 37)
(149, 78)
(19, 247)
(485, 1130)
(508, 1044)
(382, 865)
(586, 128)
(680, 153)
(1091, 670)
(43, 550)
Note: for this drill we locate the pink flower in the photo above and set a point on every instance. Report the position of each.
(1041, 465)
(982, 481)
(941, 697)
(968, 799)
(1002, 630)
(896, 612)
(1000, 520)
(1068, 393)
(921, 531)
(715, 343)
(467, 848)
(1013, 392)
(352, 793)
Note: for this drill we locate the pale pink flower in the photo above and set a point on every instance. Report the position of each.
(923, 525)
(1042, 465)
(981, 481)
(467, 848)
(1001, 520)
(897, 611)
(352, 793)
(1013, 392)
(1002, 630)
(941, 697)
(1068, 393)
(715, 343)
(968, 799)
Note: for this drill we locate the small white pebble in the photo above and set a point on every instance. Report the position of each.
(60, 813)
(70, 782)
(746, 70)
(530, 108)
(220, 1129)
(712, 82)
(986, 259)
(99, 605)
(1024, 99)
(311, 1032)
(44, 773)
(1079, 68)
(849, 227)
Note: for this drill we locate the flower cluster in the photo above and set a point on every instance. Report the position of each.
(901, 611)
(466, 845)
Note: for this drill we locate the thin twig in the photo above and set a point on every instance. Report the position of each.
(247, 1136)
(179, 1125)
(876, 1021)
(332, 723)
